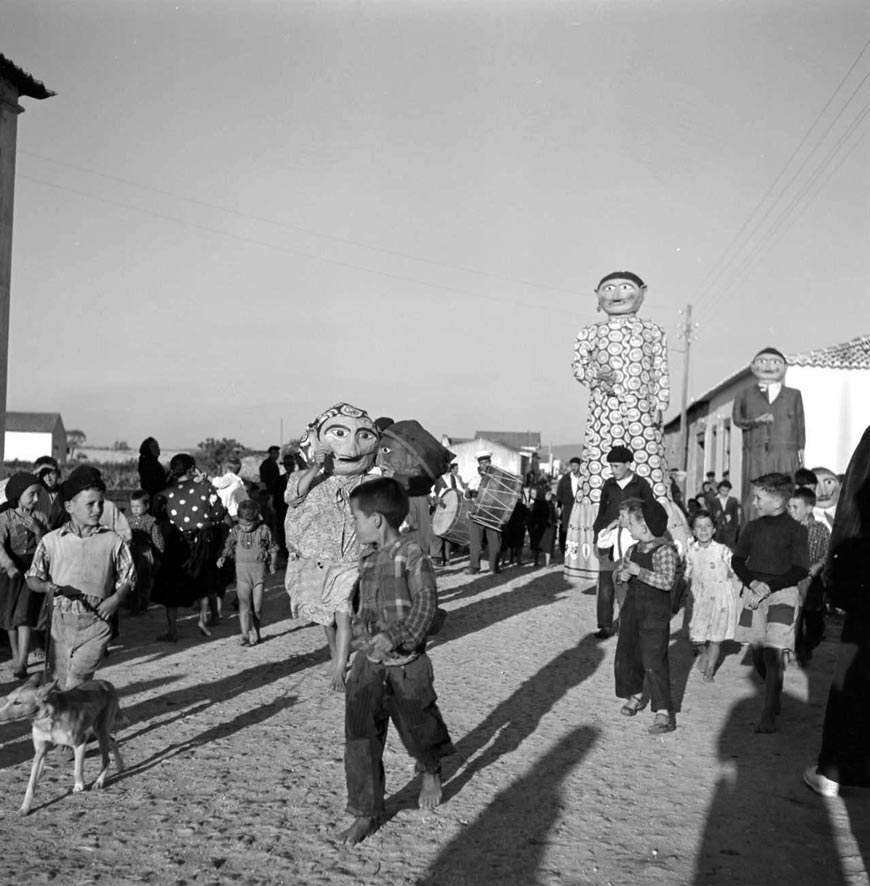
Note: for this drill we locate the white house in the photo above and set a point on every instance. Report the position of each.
(32, 434)
(835, 387)
(516, 453)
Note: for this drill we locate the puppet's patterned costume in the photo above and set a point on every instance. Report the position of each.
(622, 413)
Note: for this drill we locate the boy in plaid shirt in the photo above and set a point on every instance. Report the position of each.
(395, 604)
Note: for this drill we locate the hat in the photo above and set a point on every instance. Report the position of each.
(42, 470)
(18, 483)
(655, 517)
(82, 477)
(772, 351)
(622, 454)
(484, 453)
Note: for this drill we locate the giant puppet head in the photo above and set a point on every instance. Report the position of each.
(413, 456)
(828, 488)
(350, 436)
(768, 366)
(620, 294)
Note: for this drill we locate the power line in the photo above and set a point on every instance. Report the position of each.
(297, 252)
(721, 265)
(299, 228)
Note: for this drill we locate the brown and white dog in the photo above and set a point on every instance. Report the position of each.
(67, 718)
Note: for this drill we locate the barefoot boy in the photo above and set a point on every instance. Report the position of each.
(391, 675)
(89, 570)
(771, 557)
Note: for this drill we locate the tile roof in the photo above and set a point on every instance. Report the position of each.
(853, 354)
(33, 422)
(22, 81)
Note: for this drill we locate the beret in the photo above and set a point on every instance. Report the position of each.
(655, 517)
(18, 483)
(621, 275)
(621, 454)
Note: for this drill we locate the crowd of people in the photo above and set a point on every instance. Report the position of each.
(71, 561)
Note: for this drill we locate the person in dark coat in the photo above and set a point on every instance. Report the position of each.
(844, 759)
(566, 495)
(152, 476)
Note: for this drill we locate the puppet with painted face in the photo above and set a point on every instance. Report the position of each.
(623, 361)
(410, 454)
(341, 446)
(771, 417)
(827, 496)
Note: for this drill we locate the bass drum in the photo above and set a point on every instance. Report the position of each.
(497, 497)
(450, 520)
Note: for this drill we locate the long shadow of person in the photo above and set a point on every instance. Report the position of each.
(507, 842)
(539, 591)
(511, 722)
(763, 825)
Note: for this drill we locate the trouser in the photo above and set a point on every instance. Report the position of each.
(563, 536)
(78, 641)
(810, 628)
(604, 599)
(642, 647)
(493, 545)
(374, 695)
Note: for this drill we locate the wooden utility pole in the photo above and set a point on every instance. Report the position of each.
(684, 403)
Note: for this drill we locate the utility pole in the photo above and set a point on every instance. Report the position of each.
(684, 405)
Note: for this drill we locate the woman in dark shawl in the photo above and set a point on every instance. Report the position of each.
(188, 573)
(844, 760)
(152, 477)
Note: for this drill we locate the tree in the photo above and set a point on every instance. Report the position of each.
(75, 440)
(213, 453)
(120, 445)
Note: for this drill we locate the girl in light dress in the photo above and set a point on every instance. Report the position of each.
(714, 590)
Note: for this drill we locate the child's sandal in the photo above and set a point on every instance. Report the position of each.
(631, 707)
(662, 723)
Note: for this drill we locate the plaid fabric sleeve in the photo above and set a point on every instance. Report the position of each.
(125, 571)
(229, 551)
(664, 569)
(411, 632)
(41, 564)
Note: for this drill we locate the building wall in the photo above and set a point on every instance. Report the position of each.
(9, 111)
(28, 446)
(837, 411)
(502, 457)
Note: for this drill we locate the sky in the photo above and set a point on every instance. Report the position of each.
(235, 213)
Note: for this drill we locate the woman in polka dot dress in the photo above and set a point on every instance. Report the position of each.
(623, 360)
(188, 572)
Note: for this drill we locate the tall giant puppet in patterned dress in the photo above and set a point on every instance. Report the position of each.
(341, 446)
(623, 360)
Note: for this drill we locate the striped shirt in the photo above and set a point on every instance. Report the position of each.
(397, 595)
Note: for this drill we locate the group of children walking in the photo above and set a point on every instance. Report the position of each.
(761, 589)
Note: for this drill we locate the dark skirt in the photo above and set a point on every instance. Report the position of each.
(188, 570)
(19, 606)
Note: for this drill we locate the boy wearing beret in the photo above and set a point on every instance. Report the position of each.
(650, 568)
(88, 570)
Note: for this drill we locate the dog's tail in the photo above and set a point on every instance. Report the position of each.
(122, 721)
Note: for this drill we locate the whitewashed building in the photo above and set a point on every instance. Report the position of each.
(30, 435)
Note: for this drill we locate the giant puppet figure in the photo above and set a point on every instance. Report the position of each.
(771, 417)
(341, 446)
(410, 454)
(623, 360)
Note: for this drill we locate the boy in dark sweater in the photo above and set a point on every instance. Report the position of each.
(623, 486)
(771, 557)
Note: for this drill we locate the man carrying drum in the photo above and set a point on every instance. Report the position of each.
(493, 536)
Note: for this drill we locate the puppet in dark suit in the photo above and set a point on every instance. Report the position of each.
(771, 417)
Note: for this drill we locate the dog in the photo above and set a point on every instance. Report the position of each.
(67, 718)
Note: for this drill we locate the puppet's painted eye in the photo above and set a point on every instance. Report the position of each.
(385, 450)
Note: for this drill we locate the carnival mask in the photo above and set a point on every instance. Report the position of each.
(768, 367)
(349, 434)
(620, 296)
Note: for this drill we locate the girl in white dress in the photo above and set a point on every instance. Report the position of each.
(714, 589)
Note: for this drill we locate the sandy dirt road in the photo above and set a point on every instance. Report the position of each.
(235, 772)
